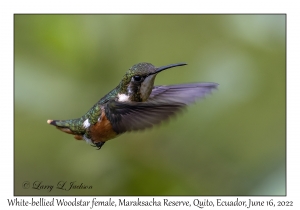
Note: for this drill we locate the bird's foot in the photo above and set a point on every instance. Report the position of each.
(98, 144)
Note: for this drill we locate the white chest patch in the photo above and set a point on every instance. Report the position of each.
(86, 123)
(123, 97)
(87, 140)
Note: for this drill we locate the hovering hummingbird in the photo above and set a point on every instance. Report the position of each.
(135, 104)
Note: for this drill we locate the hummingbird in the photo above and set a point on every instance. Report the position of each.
(135, 104)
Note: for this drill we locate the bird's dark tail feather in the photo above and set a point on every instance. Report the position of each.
(61, 125)
(65, 126)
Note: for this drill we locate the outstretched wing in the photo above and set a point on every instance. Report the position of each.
(163, 102)
(183, 93)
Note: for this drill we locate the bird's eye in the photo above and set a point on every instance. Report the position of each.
(137, 78)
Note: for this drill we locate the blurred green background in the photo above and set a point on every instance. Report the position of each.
(231, 143)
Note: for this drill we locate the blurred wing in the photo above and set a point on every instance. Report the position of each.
(138, 115)
(163, 103)
(183, 93)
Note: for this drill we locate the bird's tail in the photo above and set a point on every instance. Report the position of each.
(67, 126)
(63, 125)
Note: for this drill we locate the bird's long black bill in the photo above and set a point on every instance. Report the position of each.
(159, 69)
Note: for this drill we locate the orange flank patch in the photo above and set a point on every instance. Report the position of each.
(78, 137)
(66, 130)
(102, 131)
